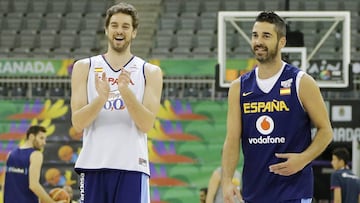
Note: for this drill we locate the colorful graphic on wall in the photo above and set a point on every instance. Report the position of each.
(183, 145)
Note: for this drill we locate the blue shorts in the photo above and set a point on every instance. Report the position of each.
(299, 201)
(308, 200)
(114, 186)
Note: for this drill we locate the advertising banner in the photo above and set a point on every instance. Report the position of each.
(35, 67)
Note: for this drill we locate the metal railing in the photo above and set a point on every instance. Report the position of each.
(173, 88)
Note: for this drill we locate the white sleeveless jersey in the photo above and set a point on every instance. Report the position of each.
(113, 141)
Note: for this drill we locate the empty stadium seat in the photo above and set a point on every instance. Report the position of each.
(12, 23)
(51, 23)
(174, 6)
(93, 21)
(47, 39)
(208, 41)
(61, 52)
(192, 7)
(67, 41)
(28, 39)
(4, 91)
(58, 6)
(188, 23)
(82, 52)
(169, 24)
(72, 21)
(202, 52)
(4, 52)
(18, 91)
(78, 6)
(39, 6)
(160, 52)
(207, 92)
(190, 92)
(207, 23)
(189, 14)
(32, 23)
(96, 7)
(165, 41)
(38, 91)
(211, 6)
(20, 6)
(57, 91)
(8, 40)
(181, 52)
(4, 7)
(87, 41)
(272, 5)
(187, 41)
(172, 92)
(21, 52)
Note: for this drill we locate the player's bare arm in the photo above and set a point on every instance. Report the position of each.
(314, 105)
(36, 160)
(313, 102)
(144, 113)
(337, 195)
(231, 149)
(83, 113)
(213, 186)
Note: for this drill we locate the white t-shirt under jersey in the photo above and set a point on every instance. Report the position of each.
(267, 84)
(112, 141)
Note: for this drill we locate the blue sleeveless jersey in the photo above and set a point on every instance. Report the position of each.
(16, 188)
(273, 122)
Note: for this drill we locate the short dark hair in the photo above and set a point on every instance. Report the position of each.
(124, 8)
(35, 129)
(342, 154)
(273, 18)
(204, 189)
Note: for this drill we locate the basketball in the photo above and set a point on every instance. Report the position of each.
(58, 194)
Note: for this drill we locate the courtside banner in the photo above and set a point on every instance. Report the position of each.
(35, 67)
(198, 67)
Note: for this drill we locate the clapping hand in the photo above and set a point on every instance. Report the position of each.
(102, 85)
(124, 79)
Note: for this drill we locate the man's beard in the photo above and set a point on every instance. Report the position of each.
(271, 54)
(36, 145)
(120, 48)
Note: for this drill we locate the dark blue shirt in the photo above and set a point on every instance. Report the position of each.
(16, 188)
(348, 183)
(273, 122)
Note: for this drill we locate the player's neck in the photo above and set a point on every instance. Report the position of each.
(26, 145)
(269, 69)
(118, 59)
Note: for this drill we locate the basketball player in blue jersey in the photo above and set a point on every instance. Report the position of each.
(23, 167)
(215, 194)
(115, 99)
(270, 110)
(344, 183)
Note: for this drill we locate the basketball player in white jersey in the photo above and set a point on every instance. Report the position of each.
(115, 99)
